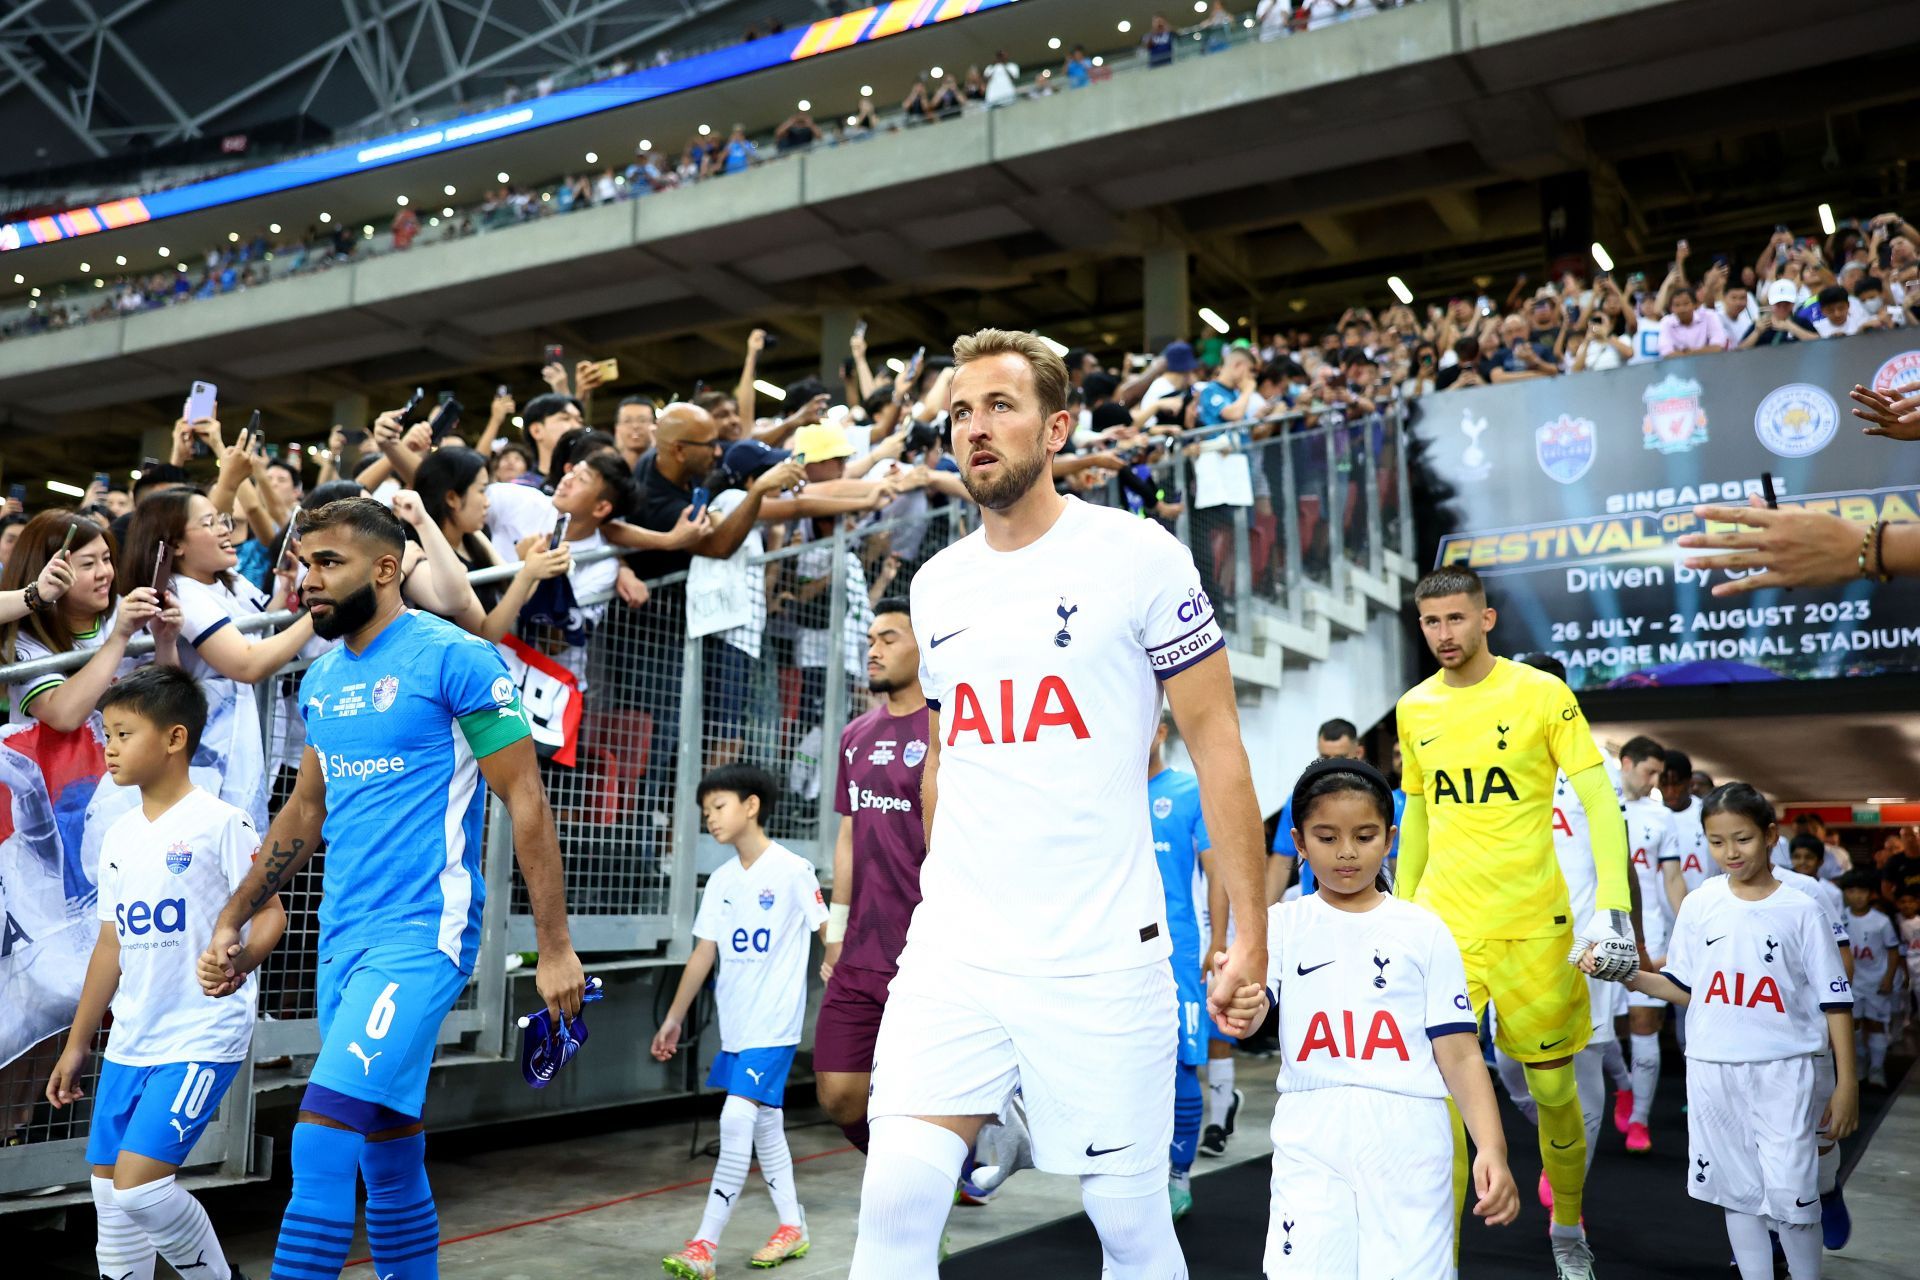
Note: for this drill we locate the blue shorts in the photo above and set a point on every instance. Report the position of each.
(759, 1074)
(1190, 996)
(158, 1112)
(380, 1012)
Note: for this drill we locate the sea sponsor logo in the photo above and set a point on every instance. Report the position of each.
(1565, 448)
(1676, 422)
(338, 766)
(1797, 420)
(179, 857)
(169, 915)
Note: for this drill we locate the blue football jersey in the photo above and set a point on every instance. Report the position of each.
(399, 731)
(1179, 838)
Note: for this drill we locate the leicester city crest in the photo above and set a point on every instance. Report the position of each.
(1675, 422)
(1565, 447)
(384, 690)
(766, 899)
(179, 857)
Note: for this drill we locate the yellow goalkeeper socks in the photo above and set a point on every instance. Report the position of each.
(1563, 1138)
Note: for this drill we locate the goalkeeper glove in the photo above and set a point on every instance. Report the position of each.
(1616, 957)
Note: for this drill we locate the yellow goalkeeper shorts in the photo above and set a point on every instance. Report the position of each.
(1539, 1000)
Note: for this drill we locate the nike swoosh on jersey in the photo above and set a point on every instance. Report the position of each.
(1104, 1151)
(937, 641)
(1544, 1045)
(1303, 970)
(1561, 1146)
(1711, 941)
(1425, 741)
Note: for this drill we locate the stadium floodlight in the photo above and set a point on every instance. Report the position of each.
(434, 221)
(1099, 61)
(646, 144)
(84, 268)
(35, 291)
(447, 190)
(447, 212)
(134, 474)
(1053, 42)
(325, 216)
(165, 252)
(1199, 6)
(805, 105)
(20, 279)
(1400, 290)
(181, 266)
(593, 157)
(866, 91)
(1826, 219)
(705, 130)
(366, 229)
(766, 388)
(71, 490)
(1125, 26)
(1215, 321)
(98, 283)
(1601, 258)
(401, 201)
(1058, 348)
(519, 421)
(500, 176)
(233, 237)
(120, 259)
(936, 72)
(273, 227)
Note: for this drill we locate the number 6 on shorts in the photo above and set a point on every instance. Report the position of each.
(381, 1016)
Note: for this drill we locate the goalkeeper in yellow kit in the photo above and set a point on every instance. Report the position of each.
(1482, 741)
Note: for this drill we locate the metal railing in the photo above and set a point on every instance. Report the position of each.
(1321, 499)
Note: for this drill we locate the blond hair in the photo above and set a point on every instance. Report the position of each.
(1049, 370)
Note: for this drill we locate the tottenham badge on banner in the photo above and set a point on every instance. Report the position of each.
(1565, 447)
(1675, 421)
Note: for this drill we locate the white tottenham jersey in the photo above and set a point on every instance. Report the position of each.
(1875, 943)
(1573, 841)
(1651, 843)
(1043, 664)
(162, 885)
(1697, 862)
(762, 918)
(1362, 995)
(1833, 907)
(1760, 974)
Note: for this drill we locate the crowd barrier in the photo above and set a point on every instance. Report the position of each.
(1303, 509)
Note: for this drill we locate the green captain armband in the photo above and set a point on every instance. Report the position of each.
(492, 728)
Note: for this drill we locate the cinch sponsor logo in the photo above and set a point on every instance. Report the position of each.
(1195, 608)
(340, 767)
(860, 799)
(169, 915)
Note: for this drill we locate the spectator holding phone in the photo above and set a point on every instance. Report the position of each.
(61, 578)
(1600, 348)
(451, 488)
(198, 538)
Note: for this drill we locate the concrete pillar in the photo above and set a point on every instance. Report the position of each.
(836, 333)
(1166, 308)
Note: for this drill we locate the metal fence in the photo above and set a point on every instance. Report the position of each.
(1316, 501)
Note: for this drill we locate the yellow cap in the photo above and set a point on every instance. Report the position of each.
(822, 442)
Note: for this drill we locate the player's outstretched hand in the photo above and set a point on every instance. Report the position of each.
(560, 982)
(1499, 1199)
(219, 969)
(1894, 414)
(1234, 969)
(1789, 547)
(63, 1086)
(666, 1041)
(1842, 1115)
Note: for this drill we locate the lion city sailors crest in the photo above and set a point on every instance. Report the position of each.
(384, 690)
(179, 857)
(1565, 448)
(766, 899)
(1675, 421)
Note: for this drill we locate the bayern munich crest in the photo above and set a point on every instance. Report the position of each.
(1675, 421)
(1565, 447)
(384, 690)
(1797, 420)
(1901, 371)
(179, 857)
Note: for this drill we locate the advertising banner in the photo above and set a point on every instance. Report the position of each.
(1567, 494)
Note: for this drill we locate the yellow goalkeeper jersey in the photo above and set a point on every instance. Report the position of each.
(1486, 758)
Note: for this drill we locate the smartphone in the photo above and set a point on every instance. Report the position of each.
(609, 370)
(1766, 490)
(446, 417)
(100, 478)
(699, 385)
(1884, 255)
(769, 342)
(555, 355)
(255, 434)
(700, 496)
(286, 538)
(860, 329)
(18, 492)
(200, 401)
(443, 397)
(1720, 259)
(500, 392)
(67, 541)
(273, 451)
(559, 532)
(162, 570)
(410, 412)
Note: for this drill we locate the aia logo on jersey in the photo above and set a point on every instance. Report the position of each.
(1640, 859)
(1052, 706)
(1467, 789)
(1561, 827)
(179, 857)
(1692, 865)
(1764, 991)
(1340, 1041)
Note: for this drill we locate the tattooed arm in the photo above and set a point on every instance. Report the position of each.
(290, 841)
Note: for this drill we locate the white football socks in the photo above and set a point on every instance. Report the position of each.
(730, 1170)
(1219, 1089)
(905, 1197)
(1646, 1075)
(776, 1163)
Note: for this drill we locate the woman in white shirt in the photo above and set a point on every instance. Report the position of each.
(231, 759)
(1599, 347)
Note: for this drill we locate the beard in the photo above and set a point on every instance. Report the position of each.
(882, 684)
(349, 614)
(1010, 483)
